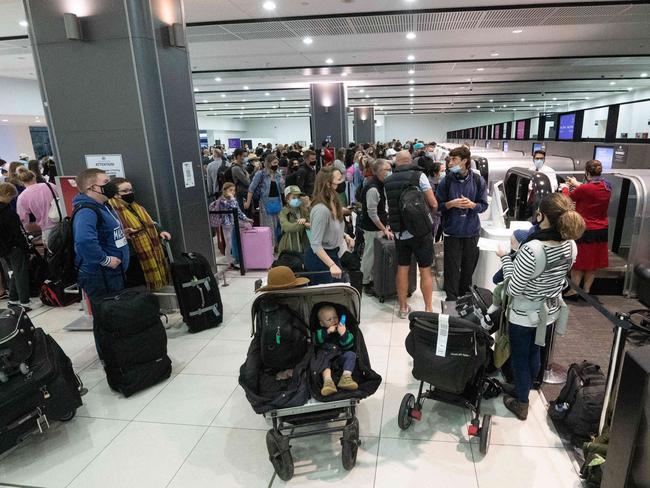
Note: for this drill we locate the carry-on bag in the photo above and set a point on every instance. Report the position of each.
(16, 342)
(385, 270)
(257, 247)
(51, 391)
(197, 291)
(53, 294)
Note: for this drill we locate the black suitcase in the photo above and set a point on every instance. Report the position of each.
(16, 343)
(132, 340)
(38, 271)
(197, 291)
(52, 391)
(385, 270)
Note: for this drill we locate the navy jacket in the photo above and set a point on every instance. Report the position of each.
(462, 222)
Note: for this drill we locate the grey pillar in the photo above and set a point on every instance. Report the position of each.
(328, 114)
(122, 89)
(364, 125)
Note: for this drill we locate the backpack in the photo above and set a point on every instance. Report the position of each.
(284, 337)
(224, 175)
(60, 256)
(291, 259)
(579, 405)
(414, 210)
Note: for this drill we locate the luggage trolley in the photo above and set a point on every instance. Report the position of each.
(314, 417)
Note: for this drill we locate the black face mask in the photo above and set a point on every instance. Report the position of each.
(129, 198)
(274, 167)
(341, 188)
(312, 163)
(109, 190)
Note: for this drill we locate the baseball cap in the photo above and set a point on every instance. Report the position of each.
(418, 145)
(292, 190)
(390, 152)
(23, 156)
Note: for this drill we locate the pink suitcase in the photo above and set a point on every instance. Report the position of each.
(257, 246)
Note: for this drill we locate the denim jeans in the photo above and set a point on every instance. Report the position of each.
(525, 358)
(314, 264)
(348, 359)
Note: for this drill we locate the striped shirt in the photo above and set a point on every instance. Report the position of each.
(526, 283)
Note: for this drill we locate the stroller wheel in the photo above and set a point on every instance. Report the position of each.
(280, 454)
(404, 419)
(485, 434)
(68, 416)
(350, 444)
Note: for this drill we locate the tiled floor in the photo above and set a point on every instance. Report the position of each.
(197, 429)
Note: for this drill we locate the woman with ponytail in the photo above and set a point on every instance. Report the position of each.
(536, 279)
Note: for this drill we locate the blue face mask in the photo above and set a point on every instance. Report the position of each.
(430, 154)
(294, 202)
(538, 163)
(388, 173)
(455, 169)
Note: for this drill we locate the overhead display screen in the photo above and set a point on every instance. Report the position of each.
(567, 127)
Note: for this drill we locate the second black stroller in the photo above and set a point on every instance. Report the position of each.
(449, 354)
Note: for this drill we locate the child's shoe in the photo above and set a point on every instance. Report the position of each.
(347, 383)
(329, 388)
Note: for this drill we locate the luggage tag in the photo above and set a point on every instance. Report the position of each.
(277, 335)
(443, 334)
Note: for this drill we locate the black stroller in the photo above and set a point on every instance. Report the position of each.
(451, 355)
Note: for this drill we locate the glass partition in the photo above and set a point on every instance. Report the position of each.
(595, 123)
(534, 126)
(633, 120)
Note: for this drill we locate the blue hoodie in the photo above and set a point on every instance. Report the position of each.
(94, 246)
(459, 222)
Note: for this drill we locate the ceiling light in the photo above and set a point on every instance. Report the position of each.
(530, 105)
(196, 89)
(586, 98)
(411, 82)
(367, 96)
(411, 95)
(411, 89)
(469, 110)
(266, 94)
(268, 5)
(555, 98)
(307, 40)
(361, 90)
(411, 102)
(494, 55)
(205, 101)
(217, 79)
(480, 69)
(223, 95)
(344, 74)
(23, 23)
(410, 35)
(212, 108)
(5, 120)
(245, 87)
(630, 89)
(411, 71)
(284, 98)
(455, 93)
(241, 108)
(523, 99)
(612, 83)
(410, 57)
(492, 110)
(329, 61)
(241, 113)
(504, 106)
(644, 75)
(243, 99)
(518, 31)
(491, 100)
(227, 105)
(268, 112)
(306, 106)
(275, 106)
(478, 106)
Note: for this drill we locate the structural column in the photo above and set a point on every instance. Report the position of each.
(115, 79)
(364, 125)
(329, 120)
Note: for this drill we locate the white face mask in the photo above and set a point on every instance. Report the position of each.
(538, 163)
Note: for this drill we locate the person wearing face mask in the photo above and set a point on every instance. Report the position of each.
(268, 184)
(305, 176)
(100, 244)
(294, 221)
(539, 164)
(147, 263)
(462, 195)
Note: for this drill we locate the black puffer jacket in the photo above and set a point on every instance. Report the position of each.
(11, 231)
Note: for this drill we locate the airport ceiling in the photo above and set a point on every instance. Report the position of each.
(400, 56)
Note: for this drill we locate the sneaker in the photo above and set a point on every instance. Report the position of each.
(329, 388)
(404, 314)
(515, 406)
(14, 303)
(347, 383)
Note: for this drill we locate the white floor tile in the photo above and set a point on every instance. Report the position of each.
(143, 455)
(372, 310)
(403, 462)
(317, 463)
(378, 359)
(532, 467)
(226, 458)
(219, 358)
(92, 375)
(440, 421)
(237, 413)
(400, 331)
(55, 319)
(73, 343)
(52, 460)
(238, 328)
(369, 413)
(84, 358)
(102, 402)
(181, 350)
(376, 333)
(400, 365)
(189, 399)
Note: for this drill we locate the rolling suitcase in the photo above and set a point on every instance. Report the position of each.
(16, 343)
(52, 391)
(197, 291)
(257, 247)
(132, 341)
(385, 270)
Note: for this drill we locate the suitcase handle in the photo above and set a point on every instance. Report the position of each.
(170, 255)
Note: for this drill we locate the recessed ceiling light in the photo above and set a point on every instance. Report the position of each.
(411, 102)
(266, 94)
(241, 108)
(241, 113)
(586, 98)
(361, 90)
(196, 89)
(517, 31)
(329, 61)
(523, 99)
(344, 74)
(410, 57)
(243, 99)
(491, 100)
(494, 55)
(455, 93)
(630, 89)
(480, 69)
(410, 35)
(306, 106)
(504, 106)
(554, 98)
(367, 96)
(284, 98)
(275, 106)
(411, 95)
(469, 110)
(5, 120)
(223, 95)
(644, 75)
(205, 101)
(411, 82)
(411, 89)
(411, 71)
(227, 105)
(268, 112)
(530, 105)
(307, 40)
(212, 108)
(23, 23)
(612, 83)
(478, 106)
(268, 5)
(217, 79)
(245, 87)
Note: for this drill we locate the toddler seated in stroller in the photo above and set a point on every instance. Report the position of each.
(334, 343)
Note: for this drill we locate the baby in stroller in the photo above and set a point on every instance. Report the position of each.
(334, 343)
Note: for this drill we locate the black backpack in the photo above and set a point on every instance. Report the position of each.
(292, 259)
(221, 173)
(60, 256)
(285, 338)
(580, 403)
(227, 175)
(414, 210)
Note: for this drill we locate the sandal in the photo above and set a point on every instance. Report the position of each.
(404, 314)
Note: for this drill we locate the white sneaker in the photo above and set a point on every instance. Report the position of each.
(33, 304)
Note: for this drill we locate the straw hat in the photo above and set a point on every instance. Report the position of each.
(282, 278)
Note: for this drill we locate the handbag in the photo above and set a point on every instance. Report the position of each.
(502, 343)
(54, 213)
(273, 206)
